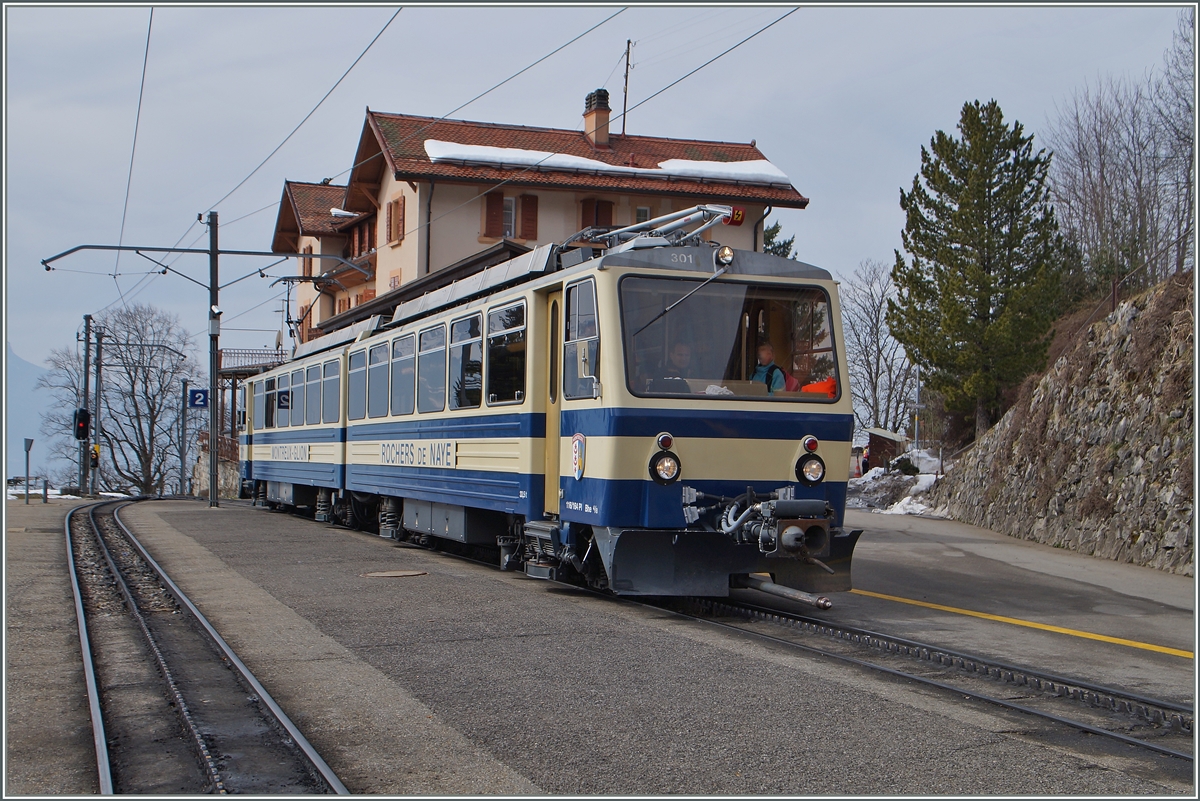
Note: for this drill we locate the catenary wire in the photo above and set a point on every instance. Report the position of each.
(137, 120)
(314, 110)
(427, 126)
(452, 111)
(518, 173)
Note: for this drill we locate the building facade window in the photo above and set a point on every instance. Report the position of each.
(395, 220)
(642, 214)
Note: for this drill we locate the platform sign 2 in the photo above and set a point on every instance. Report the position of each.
(284, 399)
(197, 398)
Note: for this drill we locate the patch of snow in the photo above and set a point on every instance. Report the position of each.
(758, 171)
(906, 506)
(874, 474)
(924, 482)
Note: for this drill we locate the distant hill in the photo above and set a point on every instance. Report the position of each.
(23, 406)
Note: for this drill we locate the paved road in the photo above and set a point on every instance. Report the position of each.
(466, 679)
(962, 566)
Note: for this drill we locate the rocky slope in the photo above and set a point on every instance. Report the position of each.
(1096, 456)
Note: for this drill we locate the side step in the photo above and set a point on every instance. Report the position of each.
(543, 534)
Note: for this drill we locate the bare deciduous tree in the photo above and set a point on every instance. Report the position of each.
(145, 361)
(882, 380)
(1122, 177)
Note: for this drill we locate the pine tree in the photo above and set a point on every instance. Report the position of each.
(975, 304)
(775, 246)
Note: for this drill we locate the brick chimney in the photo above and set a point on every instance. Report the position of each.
(595, 118)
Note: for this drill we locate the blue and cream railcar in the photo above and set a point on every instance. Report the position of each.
(601, 415)
(296, 426)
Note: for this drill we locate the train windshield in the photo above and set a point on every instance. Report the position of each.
(728, 340)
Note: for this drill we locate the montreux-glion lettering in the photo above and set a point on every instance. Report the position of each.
(420, 453)
(289, 453)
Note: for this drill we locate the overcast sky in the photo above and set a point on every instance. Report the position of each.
(841, 99)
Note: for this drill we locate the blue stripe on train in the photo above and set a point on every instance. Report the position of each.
(313, 474)
(279, 436)
(639, 503)
(466, 427)
(710, 423)
(515, 493)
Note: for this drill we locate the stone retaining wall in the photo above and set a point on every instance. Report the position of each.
(1096, 456)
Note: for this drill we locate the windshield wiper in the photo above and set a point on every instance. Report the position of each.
(663, 313)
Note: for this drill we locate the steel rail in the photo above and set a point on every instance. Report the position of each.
(293, 731)
(836, 631)
(100, 740)
(1134, 741)
(181, 705)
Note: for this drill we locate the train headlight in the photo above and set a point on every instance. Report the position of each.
(810, 469)
(724, 255)
(664, 467)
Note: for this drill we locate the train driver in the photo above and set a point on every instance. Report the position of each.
(675, 368)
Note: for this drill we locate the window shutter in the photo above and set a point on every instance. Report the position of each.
(589, 213)
(399, 218)
(604, 213)
(494, 214)
(391, 226)
(529, 216)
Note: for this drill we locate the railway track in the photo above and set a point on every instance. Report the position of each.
(1157, 725)
(173, 708)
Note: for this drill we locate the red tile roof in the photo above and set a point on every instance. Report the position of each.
(403, 136)
(312, 203)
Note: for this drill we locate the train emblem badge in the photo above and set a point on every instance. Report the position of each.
(578, 447)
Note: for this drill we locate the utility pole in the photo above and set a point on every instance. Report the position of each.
(183, 440)
(214, 334)
(625, 100)
(96, 416)
(85, 443)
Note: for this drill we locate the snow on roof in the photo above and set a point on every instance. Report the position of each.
(759, 171)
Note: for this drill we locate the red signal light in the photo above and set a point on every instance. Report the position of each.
(810, 443)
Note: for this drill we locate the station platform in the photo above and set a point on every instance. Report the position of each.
(450, 677)
(48, 729)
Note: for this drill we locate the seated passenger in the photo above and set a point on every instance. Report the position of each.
(767, 371)
(674, 371)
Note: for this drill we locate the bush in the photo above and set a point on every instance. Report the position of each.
(905, 466)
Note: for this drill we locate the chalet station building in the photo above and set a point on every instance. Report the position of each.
(430, 201)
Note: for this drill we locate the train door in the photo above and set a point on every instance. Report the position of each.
(553, 396)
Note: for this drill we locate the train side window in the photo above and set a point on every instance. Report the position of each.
(356, 401)
(404, 374)
(241, 412)
(506, 354)
(312, 401)
(298, 398)
(431, 370)
(466, 362)
(377, 381)
(283, 402)
(269, 404)
(260, 409)
(581, 348)
(331, 393)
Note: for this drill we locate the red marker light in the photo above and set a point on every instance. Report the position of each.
(810, 443)
(665, 441)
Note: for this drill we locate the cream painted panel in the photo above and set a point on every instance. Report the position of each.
(707, 459)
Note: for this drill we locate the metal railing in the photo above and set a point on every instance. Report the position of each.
(250, 357)
(227, 447)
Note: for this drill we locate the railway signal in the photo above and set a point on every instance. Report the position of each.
(82, 423)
